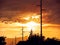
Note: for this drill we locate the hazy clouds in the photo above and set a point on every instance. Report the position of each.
(11, 9)
(15, 9)
(54, 7)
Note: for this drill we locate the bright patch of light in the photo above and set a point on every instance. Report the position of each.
(45, 24)
(27, 18)
(31, 25)
(35, 16)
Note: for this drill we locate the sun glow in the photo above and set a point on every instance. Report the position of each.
(13, 29)
(36, 16)
(31, 25)
(27, 18)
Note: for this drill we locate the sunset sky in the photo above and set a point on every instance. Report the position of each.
(17, 13)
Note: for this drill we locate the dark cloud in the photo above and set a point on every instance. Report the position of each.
(54, 7)
(10, 9)
(17, 4)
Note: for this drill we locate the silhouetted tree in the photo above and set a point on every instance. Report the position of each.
(52, 41)
(21, 43)
(32, 40)
(2, 41)
(37, 40)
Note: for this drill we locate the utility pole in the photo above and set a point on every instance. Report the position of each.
(40, 18)
(40, 22)
(22, 33)
(15, 40)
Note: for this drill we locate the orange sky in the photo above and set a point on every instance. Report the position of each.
(12, 29)
(15, 13)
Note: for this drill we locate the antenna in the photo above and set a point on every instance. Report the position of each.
(41, 16)
(40, 20)
(22, 33)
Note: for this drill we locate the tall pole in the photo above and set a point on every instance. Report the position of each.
(22, 33)
(41, 21)
(15, 40)
(41, 17)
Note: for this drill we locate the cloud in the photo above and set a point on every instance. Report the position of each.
(14, 10)
(11, 9)
(54, 7)
(17, 4)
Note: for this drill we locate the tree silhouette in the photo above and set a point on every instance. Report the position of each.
(2, 41)
(37, 40)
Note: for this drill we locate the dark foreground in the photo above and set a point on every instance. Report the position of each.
(37, 40)
(34, 40)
